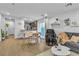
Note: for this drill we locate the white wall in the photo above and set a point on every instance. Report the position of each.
(2, 25)
(19, 25)
(73, 15)
(11, 27)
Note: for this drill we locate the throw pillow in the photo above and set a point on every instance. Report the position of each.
(63, 37)
(75, 39)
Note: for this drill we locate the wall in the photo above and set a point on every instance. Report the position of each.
(11, 26)
(2, 25)
(19, 25)
(73, 15)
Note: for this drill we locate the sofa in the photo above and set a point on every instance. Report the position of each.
(74, 46)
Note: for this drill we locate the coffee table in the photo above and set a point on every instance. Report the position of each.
(60, 50)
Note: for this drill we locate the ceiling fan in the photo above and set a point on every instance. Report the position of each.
(68, 4)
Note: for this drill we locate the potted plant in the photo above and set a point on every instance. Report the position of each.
(6, 33)
(2, 34)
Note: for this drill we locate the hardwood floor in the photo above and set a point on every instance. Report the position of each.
(19, 47)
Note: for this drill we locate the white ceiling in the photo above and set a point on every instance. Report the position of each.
(35, 10)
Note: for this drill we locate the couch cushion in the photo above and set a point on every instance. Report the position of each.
(73, 46)
(63, 37)
(75, 39)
